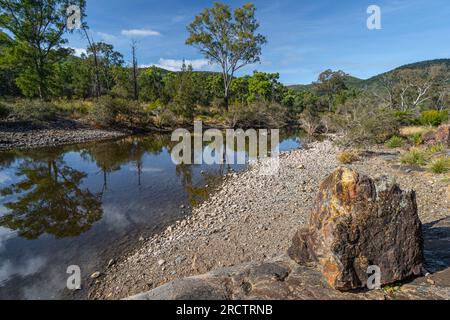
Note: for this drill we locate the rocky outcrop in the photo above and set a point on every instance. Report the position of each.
(284, 279)
(356, 223)
(441, 136)
(394, 238)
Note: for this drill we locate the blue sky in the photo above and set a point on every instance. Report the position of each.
(304, 37)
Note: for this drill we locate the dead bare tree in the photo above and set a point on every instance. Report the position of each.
(93, 49)
(135, 70)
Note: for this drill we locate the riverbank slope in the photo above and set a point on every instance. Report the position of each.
(28, 135)
(252, 218)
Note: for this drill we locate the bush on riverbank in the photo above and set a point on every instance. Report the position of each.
(257, 114)
(433, 118)
(368, 126)
(4, 111)
(34, 111)
(108, 111)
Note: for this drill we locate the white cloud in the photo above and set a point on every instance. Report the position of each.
(175, 65)
(25, 268)
(5, 235)
(107, 37)
(140, 33)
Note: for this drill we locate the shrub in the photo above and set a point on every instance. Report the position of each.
(154, 105)
(416, 139)
(347, 157)
(395, 142)
(405, 118)
(440, 165)
(165, 118)
(35, 110)
(415, 157)
(74, 107)
(4, 111)
(310, 122)
(433, 117)
(257, 114)
(103, 111)
(369, 127)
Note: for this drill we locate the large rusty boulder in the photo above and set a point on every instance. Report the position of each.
(356, 223)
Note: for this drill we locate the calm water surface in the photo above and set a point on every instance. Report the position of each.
(84, 204)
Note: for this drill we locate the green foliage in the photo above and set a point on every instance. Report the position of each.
(433, 117)
(435, 149)
(395, 142)
(439, 165)
(415, 157)
(330, 84)
(363, 125)
(165, 118)
(257, 114)
(34, 52)
(104, 111)
(151, 84)
(34, 110)
(4, 111)
(264, 86)
(230, 40)
(115, 111)
(405, 118)
(416, 139)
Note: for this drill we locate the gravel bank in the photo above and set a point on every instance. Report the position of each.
(25, 135)
(252, 218)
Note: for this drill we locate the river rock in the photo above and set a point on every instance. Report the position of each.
(358, 222)
(281, 278)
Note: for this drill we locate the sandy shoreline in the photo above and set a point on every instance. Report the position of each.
(252, 218)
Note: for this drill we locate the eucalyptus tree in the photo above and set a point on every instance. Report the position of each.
(38, 29)
(227, 39)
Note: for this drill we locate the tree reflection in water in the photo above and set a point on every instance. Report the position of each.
(49, 199)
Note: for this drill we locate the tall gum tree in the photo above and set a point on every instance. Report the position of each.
(37, 28)
(229, 40)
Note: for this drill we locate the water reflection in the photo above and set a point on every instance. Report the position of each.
(82, 204)
(48, 199)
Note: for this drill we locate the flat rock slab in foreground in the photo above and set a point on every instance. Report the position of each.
(358, 222)
(283, 279)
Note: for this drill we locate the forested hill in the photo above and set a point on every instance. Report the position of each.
(373, 82)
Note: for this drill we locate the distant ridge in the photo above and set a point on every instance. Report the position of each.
(356, 83)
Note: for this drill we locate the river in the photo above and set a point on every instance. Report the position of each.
(86, 204)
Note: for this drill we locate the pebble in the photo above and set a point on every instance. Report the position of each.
(161, 262)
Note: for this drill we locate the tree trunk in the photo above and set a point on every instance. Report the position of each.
(227, 102)
(135, 71)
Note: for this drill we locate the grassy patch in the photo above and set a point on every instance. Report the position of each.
(347, 157)
(415, 156)
(395, 142)
(439, 165)
(413, 130)
(416, 139)
(435, 149)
